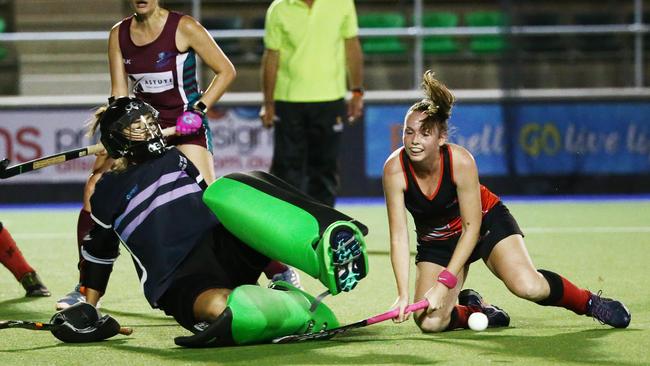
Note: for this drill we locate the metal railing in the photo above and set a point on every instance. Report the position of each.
(638, 29)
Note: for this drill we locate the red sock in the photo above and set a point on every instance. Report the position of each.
(565, 294)
(574, 298)
(459, 316)
(11, 256)
(273, 268)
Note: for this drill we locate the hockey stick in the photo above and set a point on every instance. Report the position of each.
(24, 324)
(325, 334)
(7, 172)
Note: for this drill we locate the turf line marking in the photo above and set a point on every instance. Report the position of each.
(587, 229)
(527, 230)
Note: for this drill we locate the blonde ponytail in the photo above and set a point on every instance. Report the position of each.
(436, 105)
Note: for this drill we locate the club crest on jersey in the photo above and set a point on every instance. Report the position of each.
(163, 59)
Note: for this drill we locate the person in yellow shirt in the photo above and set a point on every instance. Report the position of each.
(312, 57)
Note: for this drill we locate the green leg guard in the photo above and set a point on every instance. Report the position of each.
(260, 314)
(284, 224)
(257, 315)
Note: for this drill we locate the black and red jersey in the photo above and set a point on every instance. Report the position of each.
(162, 75)
(437, 217)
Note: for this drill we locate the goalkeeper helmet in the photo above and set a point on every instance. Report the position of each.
(129, 128)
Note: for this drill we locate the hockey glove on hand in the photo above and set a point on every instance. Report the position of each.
(189, 122)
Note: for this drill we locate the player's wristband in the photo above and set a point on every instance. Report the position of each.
(447, 278)
(357, 92)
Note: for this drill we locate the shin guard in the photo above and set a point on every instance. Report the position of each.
(284, 224)
(257, 315)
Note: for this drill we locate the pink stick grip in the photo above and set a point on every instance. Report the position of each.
(395, 312)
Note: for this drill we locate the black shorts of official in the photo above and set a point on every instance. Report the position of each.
(497, 225)
(220, 260)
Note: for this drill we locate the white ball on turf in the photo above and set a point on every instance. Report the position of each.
(477, 322)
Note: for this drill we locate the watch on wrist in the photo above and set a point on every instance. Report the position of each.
(357, 91)
(200, 108)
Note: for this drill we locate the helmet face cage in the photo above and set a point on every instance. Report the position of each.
(129, 128)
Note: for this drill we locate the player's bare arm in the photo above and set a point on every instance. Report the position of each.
(469, 201)
(270, 63)
(193, 35)
(394, 186)
(119, 80)
(354, 60)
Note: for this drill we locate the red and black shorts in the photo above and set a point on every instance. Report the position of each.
(497, 225)
(220, 260)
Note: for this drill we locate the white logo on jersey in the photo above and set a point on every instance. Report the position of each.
(155, 82)
(154, 147)
(127, 61)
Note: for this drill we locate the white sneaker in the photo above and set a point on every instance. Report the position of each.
(71, 298)
(290, 276)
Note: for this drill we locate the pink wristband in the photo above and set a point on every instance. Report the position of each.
(447, 278)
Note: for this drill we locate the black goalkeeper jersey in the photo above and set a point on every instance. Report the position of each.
(155, 209)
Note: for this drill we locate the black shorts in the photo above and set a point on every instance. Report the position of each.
(497, 225)
(220, 260)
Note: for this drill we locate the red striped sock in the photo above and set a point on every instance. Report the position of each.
(11, 257)
(459, 316)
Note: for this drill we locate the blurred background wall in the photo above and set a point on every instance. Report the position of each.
(552, 95)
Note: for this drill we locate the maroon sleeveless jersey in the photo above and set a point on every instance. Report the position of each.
(161, 75)
(437, 217)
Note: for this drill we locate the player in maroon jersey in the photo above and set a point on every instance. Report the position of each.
(459, 221)
(155, 51)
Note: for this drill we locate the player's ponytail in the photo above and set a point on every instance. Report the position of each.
(436, 105)
(93, 123)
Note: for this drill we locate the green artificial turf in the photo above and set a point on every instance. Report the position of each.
(596, 245)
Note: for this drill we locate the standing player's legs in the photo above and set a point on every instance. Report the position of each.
(511, 263)
(12, 258)
(290, 144)
(450, 316)
(324, 130)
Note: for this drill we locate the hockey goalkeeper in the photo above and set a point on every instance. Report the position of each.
(199, 252)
